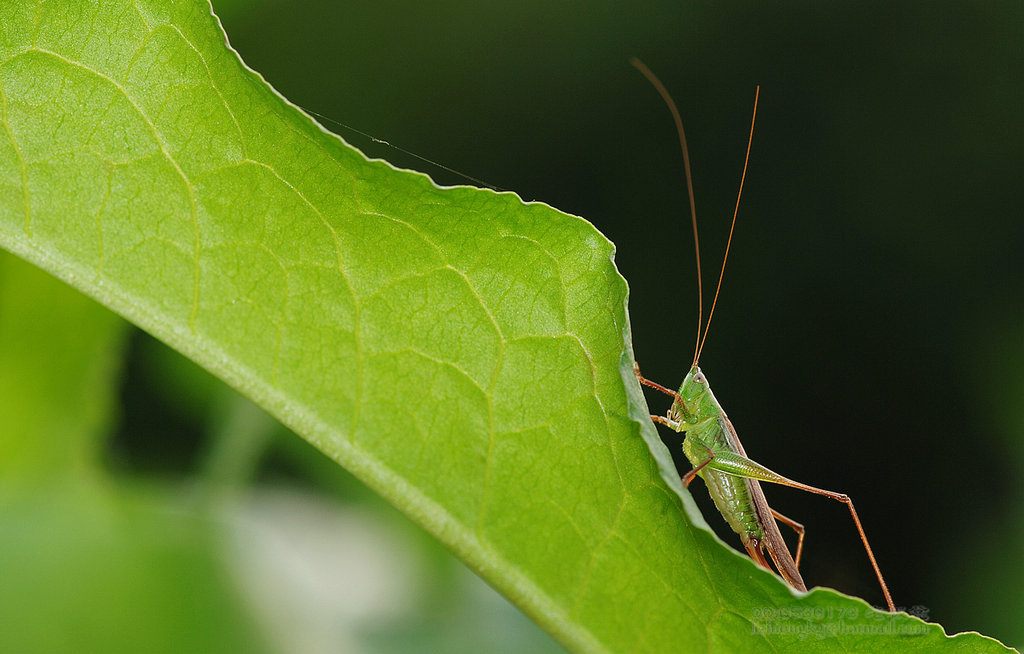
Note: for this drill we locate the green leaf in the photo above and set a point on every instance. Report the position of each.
(463, 353)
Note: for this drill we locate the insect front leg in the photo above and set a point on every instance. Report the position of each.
(662, 420)
(655, 385)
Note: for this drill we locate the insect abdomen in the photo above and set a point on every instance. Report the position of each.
(730, 493)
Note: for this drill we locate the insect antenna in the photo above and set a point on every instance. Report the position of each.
(660, 88)
(743, 177)
(374, 139)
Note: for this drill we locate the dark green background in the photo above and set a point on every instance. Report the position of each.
(870, 335)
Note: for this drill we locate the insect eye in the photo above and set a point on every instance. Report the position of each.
(699, 378)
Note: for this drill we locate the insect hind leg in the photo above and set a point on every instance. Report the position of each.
(845, 499)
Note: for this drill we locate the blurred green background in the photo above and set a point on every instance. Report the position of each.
(869, 338)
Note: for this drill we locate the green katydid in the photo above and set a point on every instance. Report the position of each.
(711, 443)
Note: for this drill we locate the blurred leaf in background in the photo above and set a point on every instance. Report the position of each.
(139, 557)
